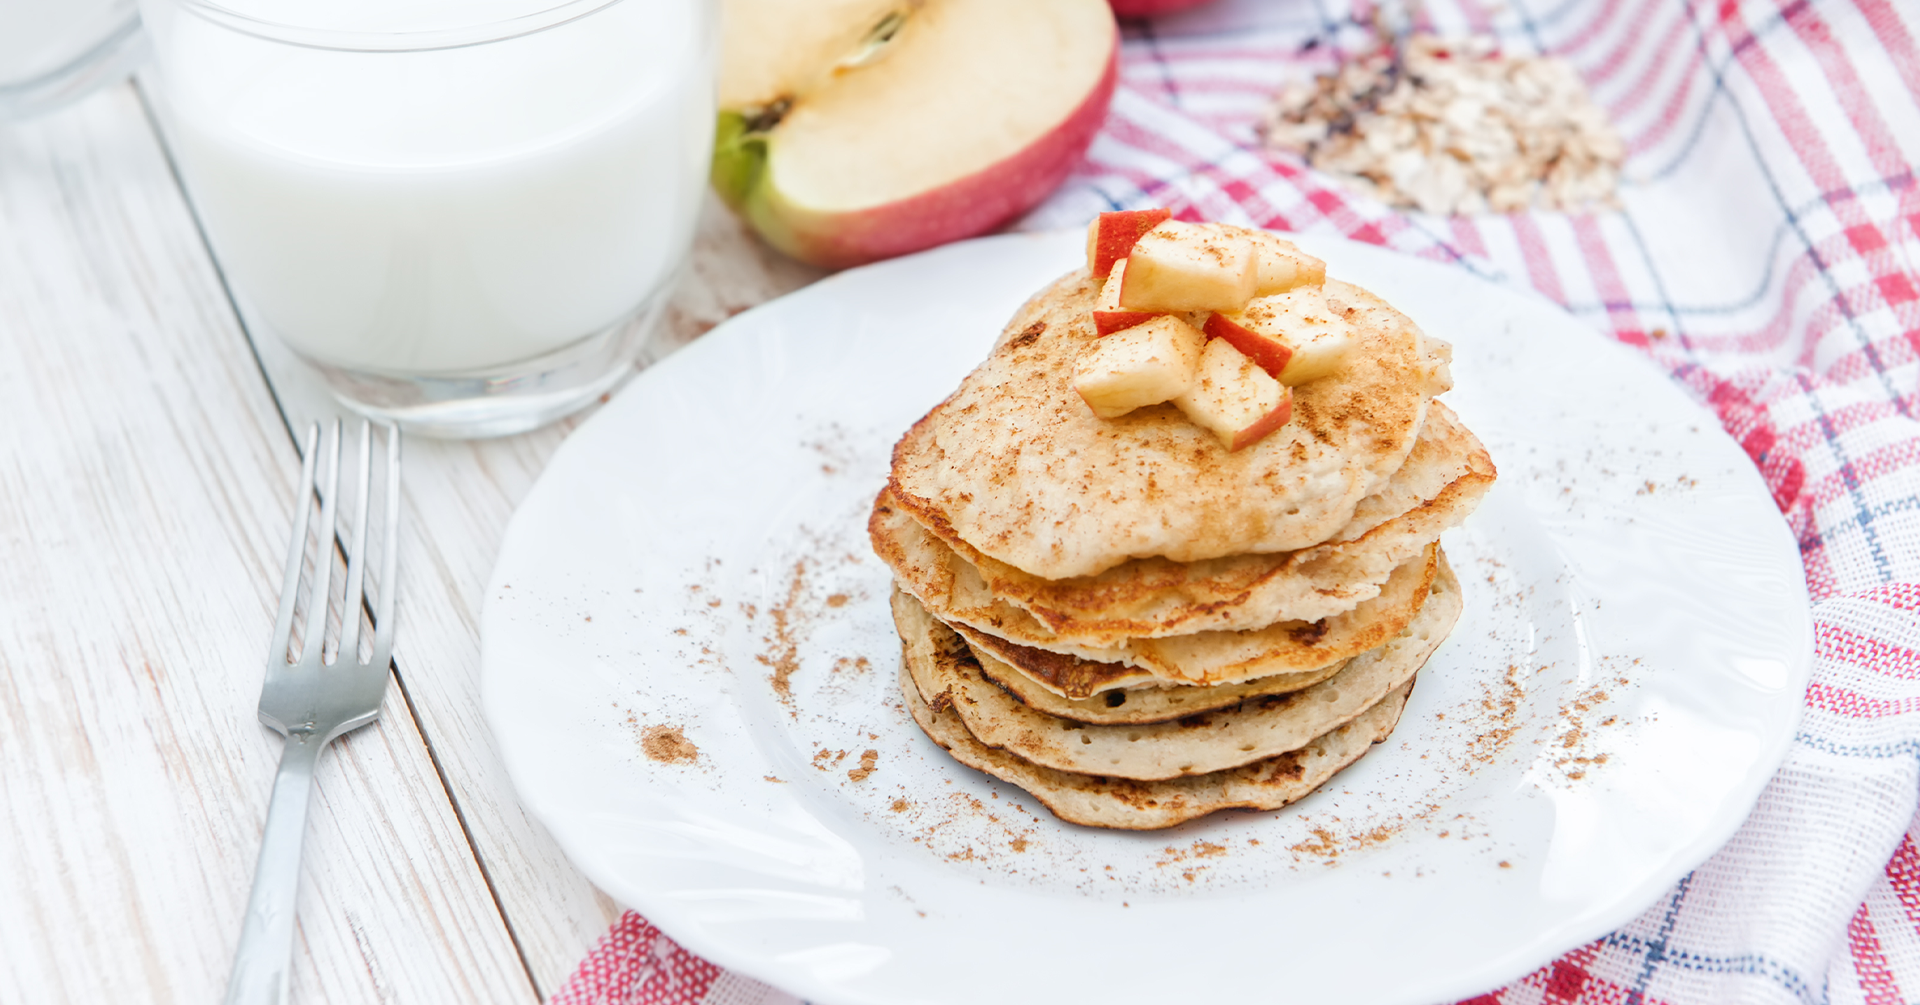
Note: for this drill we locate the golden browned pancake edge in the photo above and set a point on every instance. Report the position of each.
(1216, 658)
(1090, 617)
(1139, 705)
(1125, 804)
(1253, 729)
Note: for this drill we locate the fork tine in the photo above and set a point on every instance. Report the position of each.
(296, 551)
(317, 597)
(349, 650)
(383, 625)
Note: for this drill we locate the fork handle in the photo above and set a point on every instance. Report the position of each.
(263, 965)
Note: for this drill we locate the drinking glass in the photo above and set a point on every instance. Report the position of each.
(466, 215)
(53, 52)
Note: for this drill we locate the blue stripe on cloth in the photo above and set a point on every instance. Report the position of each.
(1874, 751)
(1863, 514)
(1655, 952)
(1760, 965)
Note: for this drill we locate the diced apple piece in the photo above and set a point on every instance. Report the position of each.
(1270, 351)
(1234, 398)
(1144, 365)
(1111, 236)
(1437, 363)
(1282, 266)
(1108, 317)
(1318, 329)
(1189, 267)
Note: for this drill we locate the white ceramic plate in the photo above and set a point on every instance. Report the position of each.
(1625, 679)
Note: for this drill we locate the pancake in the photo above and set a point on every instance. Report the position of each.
(1254, 729)
(1091, 616)
(1151, 701)
(1021, 470)
(1125, 804)
(1440, 483)
(1209, 658)
(1067, 676)
(1293, 648)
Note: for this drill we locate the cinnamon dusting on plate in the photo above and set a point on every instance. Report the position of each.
(868, 759)
(667, 745)
(782, 654)
(1499, 715)
(1580, 720)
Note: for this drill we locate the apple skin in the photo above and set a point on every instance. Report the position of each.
(965, 207)
(1107, 315)
(1271, 353)
(1280, 416)
(1107, 322)
(1230, 397)
(1111, 236)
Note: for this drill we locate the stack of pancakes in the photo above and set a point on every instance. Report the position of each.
(1140, 627)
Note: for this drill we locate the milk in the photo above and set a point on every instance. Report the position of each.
(456, 210)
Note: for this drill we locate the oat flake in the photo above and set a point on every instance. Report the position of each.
(1452, 127)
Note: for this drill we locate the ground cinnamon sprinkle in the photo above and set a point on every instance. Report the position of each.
(1324, 843)
(1329, 845)
(1575, 732)
(868, 759)
(1502, 708)
(667, 745)
(824, 759)
(783, 646)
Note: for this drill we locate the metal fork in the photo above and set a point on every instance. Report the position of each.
(311, 702)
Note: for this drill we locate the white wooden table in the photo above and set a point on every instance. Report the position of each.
(147, 479)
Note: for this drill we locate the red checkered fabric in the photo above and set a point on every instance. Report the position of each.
(636, 965)
(1768, 256)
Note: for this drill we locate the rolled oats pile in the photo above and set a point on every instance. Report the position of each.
(1452, 127)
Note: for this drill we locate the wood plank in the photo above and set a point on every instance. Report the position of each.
(459, 496)
(146, 483)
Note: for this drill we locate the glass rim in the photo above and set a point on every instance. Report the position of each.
(394, 41)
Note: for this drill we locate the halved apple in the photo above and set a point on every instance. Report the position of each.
(1317, 331)
(1111, 236)
(1234, 398)
(1108, 317)
(854, 130)
(1143, 365)
(1189, 267)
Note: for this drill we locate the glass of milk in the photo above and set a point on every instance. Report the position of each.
(56, 51)
(464, 214)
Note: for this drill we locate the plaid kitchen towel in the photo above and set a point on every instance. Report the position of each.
(1768, 256)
